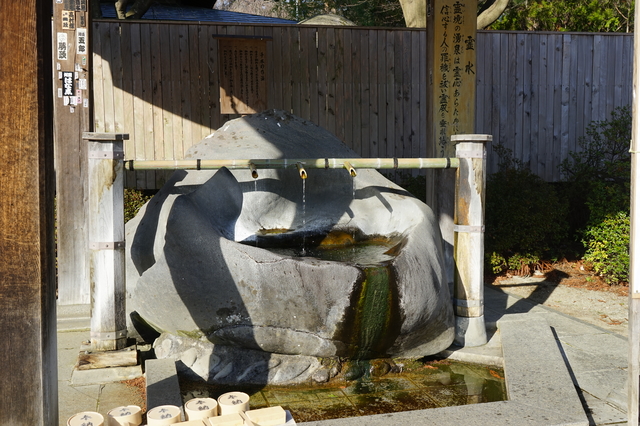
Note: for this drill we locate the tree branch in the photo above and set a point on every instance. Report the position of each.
(493, 12)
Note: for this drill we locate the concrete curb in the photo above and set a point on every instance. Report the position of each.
(163, 387)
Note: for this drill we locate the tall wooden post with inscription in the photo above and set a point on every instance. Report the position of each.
(451, 31)
(28, 377)
(451, 35)
(71, 79)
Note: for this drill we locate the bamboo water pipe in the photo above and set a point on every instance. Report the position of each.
(347, 165)
(254, 171)
(350, 164)
(301, 170)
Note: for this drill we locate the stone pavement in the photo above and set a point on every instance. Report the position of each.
(73, 330)
(594, 359)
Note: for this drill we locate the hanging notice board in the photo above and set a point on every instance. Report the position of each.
(243, 75)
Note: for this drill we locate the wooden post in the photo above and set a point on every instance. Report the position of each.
(106, 240)
(633, 381)
(28, 376)
(451, 35)
(468, 246)
(72, 90)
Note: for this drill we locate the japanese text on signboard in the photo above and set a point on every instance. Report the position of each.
(243, 76)
(455, 70)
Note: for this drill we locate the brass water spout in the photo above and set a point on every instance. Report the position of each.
(254, 171)
(301, 170)
(350, 169)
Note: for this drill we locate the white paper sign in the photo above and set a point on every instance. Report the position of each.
(81, 41)
(62, 47)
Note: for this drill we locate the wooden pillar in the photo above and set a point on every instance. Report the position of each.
(72, 105)
(451, 34)
(468, 246)
(106, 240)
(28, 373)
(633, 381)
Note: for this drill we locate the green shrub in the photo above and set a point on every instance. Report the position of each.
(604, 151)
(608, 248)
(134, 199)
(524, 217)
(607, 200)
(598, 182)
(599, 173)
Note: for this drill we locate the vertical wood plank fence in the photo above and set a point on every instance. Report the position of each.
(159, 82)
(537, 92)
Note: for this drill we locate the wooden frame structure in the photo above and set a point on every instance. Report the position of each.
(109, 314)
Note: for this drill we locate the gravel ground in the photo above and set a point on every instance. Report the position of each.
(570, 289)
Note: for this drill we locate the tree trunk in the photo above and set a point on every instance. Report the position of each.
(493, 12)
(415, 13)
(136, 11)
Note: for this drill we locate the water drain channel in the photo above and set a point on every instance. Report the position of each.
(421, 384)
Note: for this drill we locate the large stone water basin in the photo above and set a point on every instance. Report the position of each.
(197, 267)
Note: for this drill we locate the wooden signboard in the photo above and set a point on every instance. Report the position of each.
(454, 71)
(243, 75)
(451, 32)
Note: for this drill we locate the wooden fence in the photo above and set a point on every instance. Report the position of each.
(159, 82)
(537, 92)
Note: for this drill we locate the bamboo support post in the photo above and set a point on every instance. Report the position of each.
(106, 240)
(468, 240)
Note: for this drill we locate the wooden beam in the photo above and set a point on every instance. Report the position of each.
(28, 377)
(88, 360)
(93, 136)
